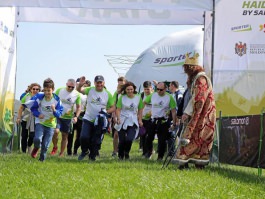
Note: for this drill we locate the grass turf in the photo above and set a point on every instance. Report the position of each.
(24, 177)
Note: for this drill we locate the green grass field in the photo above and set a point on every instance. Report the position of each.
(24, 177)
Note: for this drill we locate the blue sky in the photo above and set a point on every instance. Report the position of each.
(63, 51)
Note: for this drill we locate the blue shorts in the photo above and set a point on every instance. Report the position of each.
(64, 125)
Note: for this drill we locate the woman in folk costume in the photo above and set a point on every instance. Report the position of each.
(199, 117)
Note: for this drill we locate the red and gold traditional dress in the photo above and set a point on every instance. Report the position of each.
(201, 125)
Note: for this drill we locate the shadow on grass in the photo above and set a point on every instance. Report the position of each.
(107, 161)
(244, 175)
(136, 158)
(238, 173)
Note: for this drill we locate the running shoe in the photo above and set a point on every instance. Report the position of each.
(82, 155)
(34, 152)
(54, 150)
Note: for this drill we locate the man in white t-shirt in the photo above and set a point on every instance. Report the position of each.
(98, 98)
(69, 97)
(78, 125)
(162, 104)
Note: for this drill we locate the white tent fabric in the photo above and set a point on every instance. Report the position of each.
(202, 5)
(146, 12)
(111, 16)
(208, 45)
(163, 60)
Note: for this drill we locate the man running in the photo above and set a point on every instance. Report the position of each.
(69, 97)
(98, 99)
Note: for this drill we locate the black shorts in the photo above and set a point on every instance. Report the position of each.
(65, 125)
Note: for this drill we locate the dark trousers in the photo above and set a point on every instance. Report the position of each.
(26, 137)
(76, 127)
(89, 139)
(126, 138)
(171, 141)
(142, 143)
(159, 127)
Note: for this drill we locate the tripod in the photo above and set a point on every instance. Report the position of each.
(181, 142)
(167, 161)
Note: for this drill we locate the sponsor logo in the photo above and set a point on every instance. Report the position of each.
(262, 27)
(170, 61)
(257, 48)
(96, 101)
(47, 109)
(254, 7)
(240, 49)
(241, 28)
(131, 107)
(166, 61)
(67, 101)
(241, 121)
(158, 105)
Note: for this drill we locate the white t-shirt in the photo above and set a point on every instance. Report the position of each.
(68, 100)
(96, 101)
(161, 105)
(129, 106)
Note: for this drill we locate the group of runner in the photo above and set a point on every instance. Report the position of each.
(156, 111)
(79, 104)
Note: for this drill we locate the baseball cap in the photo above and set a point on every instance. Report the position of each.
(78, 80)
(99, 78)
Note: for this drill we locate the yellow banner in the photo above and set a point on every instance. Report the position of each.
(7, 75)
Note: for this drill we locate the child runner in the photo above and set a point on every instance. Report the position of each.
(46, 107)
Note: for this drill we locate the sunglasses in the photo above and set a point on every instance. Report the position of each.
(36, 89)
(159, 89)
(72, 87)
